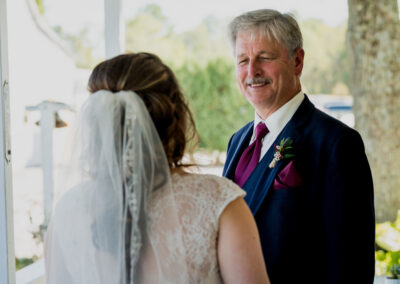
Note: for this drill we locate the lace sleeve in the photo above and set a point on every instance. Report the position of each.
(226, 192)
(208, 196)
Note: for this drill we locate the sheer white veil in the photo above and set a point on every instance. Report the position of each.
(102, 230)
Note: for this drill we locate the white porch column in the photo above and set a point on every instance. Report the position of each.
(114, 28)
(48, 110)
(47, 124)
(7, 261)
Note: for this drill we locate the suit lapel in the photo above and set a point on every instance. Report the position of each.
(259, 183)
(242, 143)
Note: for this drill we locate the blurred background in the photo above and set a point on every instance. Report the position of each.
(54, 45)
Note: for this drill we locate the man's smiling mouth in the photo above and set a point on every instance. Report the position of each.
(257, 82)
(258, 85)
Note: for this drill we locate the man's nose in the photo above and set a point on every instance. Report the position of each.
(254, 69)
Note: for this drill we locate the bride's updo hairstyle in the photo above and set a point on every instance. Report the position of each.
(156, 84)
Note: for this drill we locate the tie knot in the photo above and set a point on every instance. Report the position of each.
(261, 131)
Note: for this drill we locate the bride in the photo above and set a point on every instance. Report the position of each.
(133, 214)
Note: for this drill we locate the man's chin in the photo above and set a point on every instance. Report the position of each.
(262, 99)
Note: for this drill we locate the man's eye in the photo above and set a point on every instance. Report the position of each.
(266, 58)
(242, 62)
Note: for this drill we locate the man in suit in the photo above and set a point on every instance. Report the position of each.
(306, 174)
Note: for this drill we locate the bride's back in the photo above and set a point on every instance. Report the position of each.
(200, 200)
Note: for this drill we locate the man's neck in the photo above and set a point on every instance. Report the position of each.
(264, 113)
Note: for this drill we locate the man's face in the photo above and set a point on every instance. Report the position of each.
(266, 74)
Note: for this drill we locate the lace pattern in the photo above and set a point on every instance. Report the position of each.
(130, 176)
(200, 200)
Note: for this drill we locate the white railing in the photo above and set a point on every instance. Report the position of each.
(34, 274)
(31, 274)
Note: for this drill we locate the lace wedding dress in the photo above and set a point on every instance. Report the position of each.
(200, 200)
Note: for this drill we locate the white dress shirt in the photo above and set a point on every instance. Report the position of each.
(276, 122)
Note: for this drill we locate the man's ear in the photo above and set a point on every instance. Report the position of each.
(298, 61)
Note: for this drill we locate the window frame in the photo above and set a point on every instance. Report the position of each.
(7, 255)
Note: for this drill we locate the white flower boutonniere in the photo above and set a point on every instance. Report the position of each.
(282, 151)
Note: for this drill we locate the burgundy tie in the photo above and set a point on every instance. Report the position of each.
(251, 155)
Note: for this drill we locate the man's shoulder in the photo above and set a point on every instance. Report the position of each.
(324, 128)
(328, 123)
(317, 120)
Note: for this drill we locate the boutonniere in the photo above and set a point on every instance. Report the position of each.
(282, 151)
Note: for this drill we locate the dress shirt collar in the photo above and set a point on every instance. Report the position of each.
(278, 120)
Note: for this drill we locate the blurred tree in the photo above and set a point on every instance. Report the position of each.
(207, 41)
(151, 31)
(326, 63)
(215, 100)
(80, 48)
(374, 43)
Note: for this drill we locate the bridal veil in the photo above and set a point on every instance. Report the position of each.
(101, 231)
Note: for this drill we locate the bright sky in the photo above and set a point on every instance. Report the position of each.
(186, 14)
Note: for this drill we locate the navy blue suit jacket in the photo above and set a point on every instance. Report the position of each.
(324, 230)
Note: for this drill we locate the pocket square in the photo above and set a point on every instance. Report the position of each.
(288, 177)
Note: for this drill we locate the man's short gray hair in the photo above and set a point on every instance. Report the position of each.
(270, 23)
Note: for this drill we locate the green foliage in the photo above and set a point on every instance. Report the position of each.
(40, 6)
(22, 262)
(79, 47)
(151, 31)
(388, 235)
(286, 148)
(388, 240)
(326, 63)
(386, 263)
(207, 41)
(394, 271)
(216, 102)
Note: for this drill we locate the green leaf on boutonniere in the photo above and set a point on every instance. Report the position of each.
(288, 156)
(283, 151)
